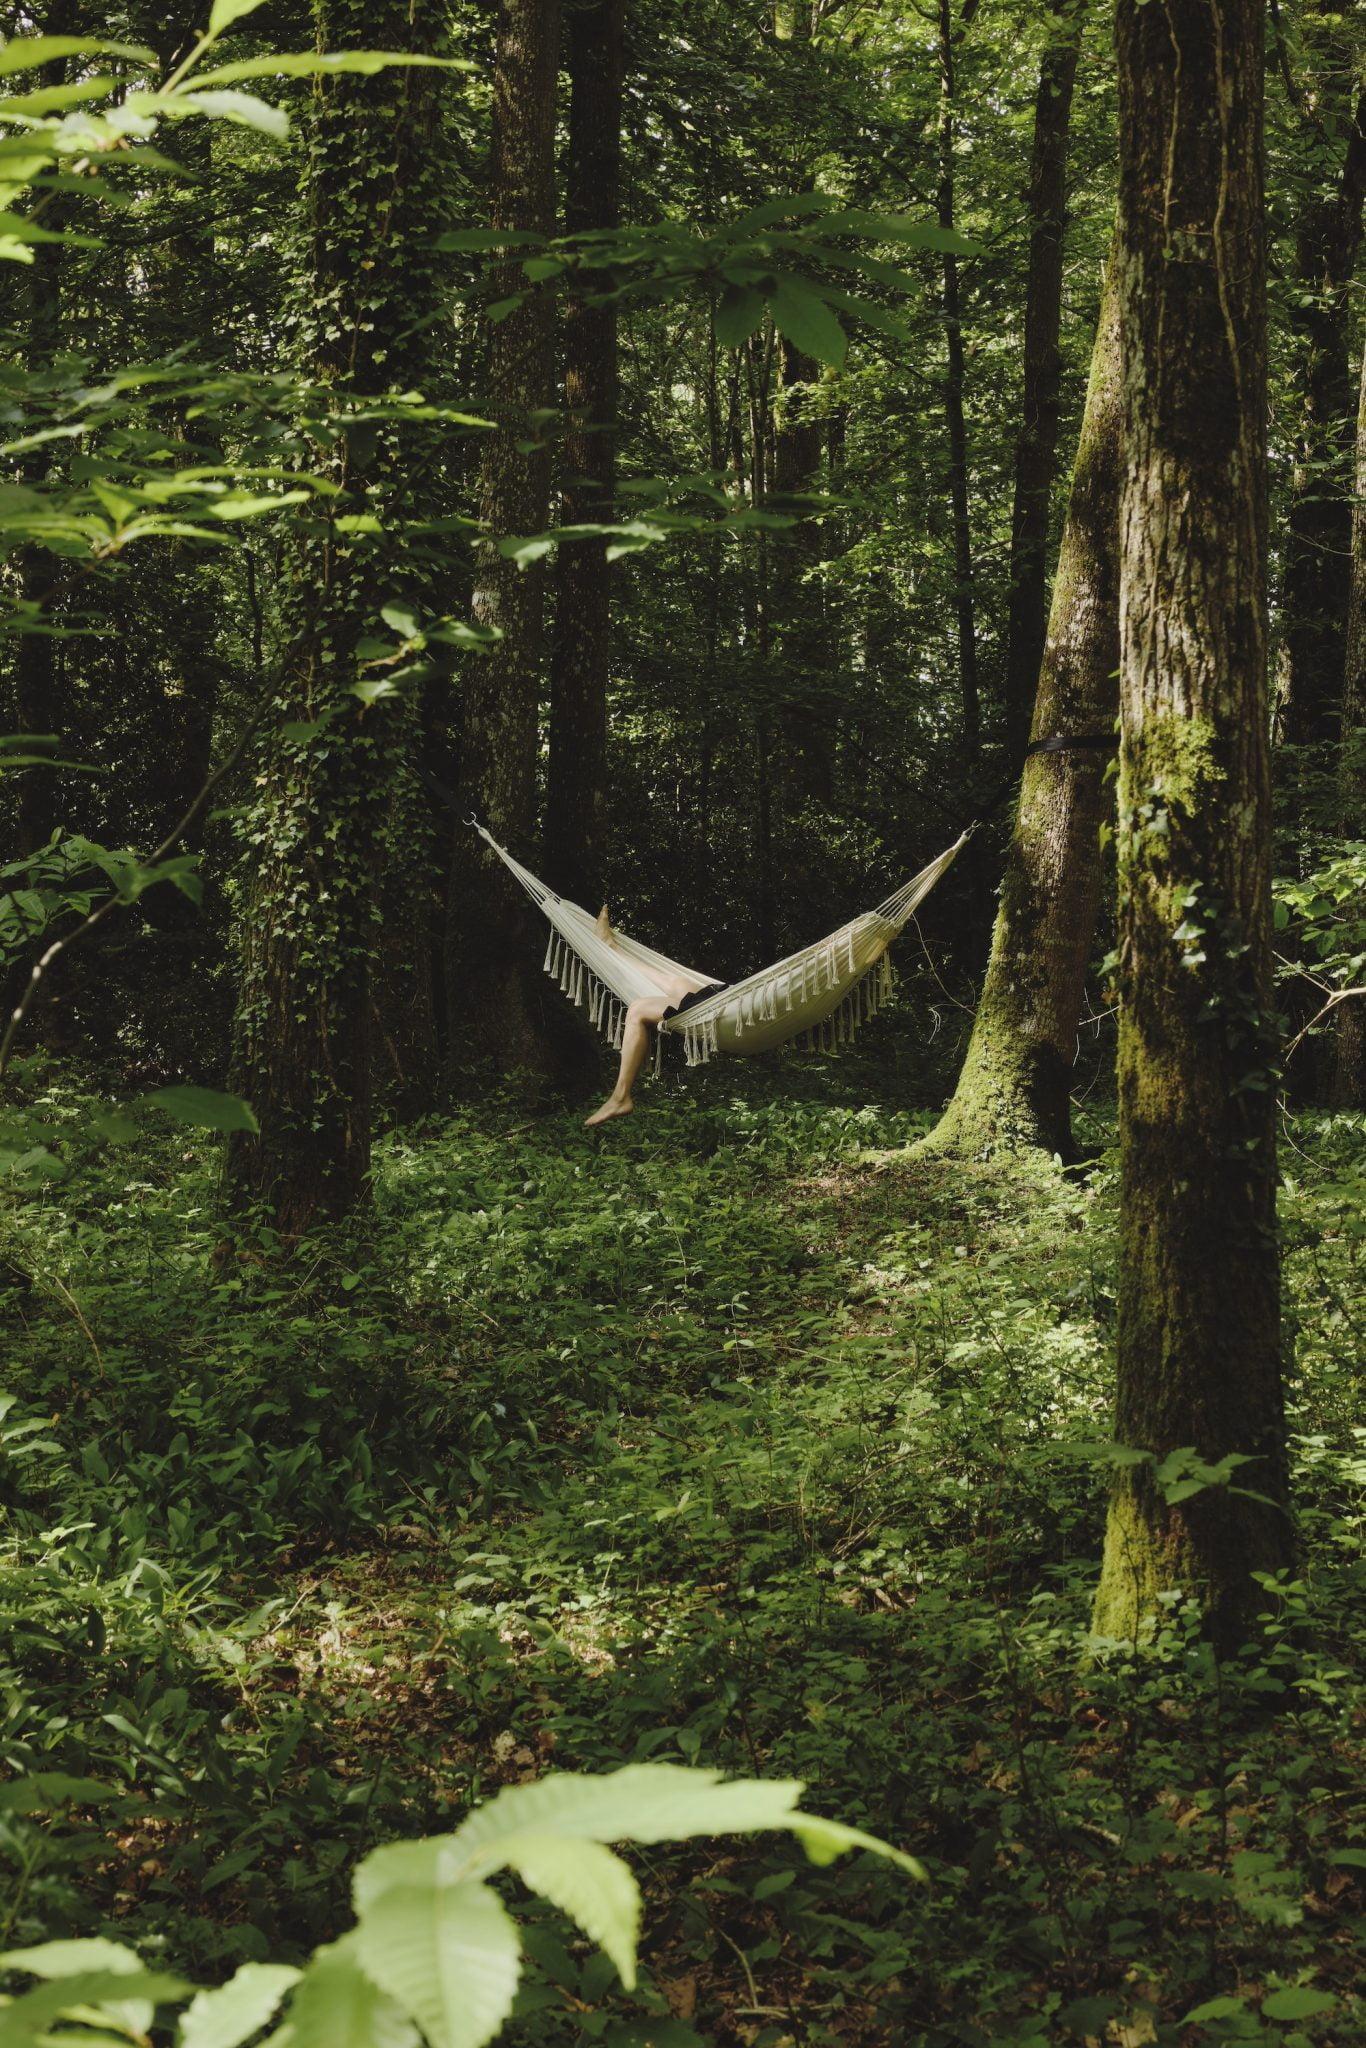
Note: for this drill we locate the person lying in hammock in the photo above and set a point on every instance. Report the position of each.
(642, 1016)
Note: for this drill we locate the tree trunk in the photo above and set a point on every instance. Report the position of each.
(319, 836)
(1198, 1320)
(798, 606)
(1015, 1088)
(954, 382)
(1349, 1035)
(38, 569)
(576, 786)
(496, 994)
(1318, 528)
(1036, 446)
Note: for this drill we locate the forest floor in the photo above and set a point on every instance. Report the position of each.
(736, 1435)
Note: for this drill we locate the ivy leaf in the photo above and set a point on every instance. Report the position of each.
(808, 324)
(207, 1109)
(233, 2012)
(449, 1956)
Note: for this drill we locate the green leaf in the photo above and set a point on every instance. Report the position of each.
(242, 107)
(207, 1109)
(25, 53)
(590, 1884)
(772, 210)
(1298, 2002)
(824, 1840)
(66, 1958)
(233, 2012)
(739, 313)
(225, 12)
(337, 2005)
(1213, 2009)
(1354, 1859)
(315, 63)
(450, 1957)
(402, 619)
(139, 1991)
(807, 323)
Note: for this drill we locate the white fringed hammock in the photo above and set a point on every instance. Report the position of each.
(818, 997)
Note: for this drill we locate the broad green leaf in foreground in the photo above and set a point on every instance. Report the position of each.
(450, 1956)
(337, 2006)
(208, 1109)
(233, 2012)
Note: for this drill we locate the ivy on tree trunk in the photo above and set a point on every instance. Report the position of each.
(314, 843)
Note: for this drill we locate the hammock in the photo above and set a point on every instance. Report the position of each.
(818, 997)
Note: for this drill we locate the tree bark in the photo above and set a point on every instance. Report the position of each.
(495, 991)
(1318, 528)
(36, 671)
(800, 642)
(954, 383)
(1198, 1317)
(576, 786)
(1014, 1091)
(318, 838)
(1036, 446)
(1349, 1036)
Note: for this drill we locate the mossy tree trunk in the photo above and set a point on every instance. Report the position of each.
(576, 778)
(1036, 446)
(1014, 1091)
(315, 842)
(1198, 1318)
(495, 993)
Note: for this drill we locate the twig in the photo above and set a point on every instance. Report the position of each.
(46, 961)
(1339, 996)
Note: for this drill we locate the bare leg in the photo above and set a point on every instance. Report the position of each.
(642, 1014)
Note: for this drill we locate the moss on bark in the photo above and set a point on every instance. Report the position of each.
(1198, 1353)
(1014, 1089)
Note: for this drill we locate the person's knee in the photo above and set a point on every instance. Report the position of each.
(639, 1011)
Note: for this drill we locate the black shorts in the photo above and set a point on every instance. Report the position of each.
(698, 995)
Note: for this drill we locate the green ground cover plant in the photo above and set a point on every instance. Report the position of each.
(747, 1441)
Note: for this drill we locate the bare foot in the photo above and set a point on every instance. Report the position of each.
(609, 1109)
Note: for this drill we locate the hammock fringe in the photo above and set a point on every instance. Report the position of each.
(819, 998)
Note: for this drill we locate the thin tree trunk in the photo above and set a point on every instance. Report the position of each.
(1349, 1036)
(1198, 1320)
(798, 606)
(495, 995)
(39, 570)
(1318, 527)
(317, 840)
(954, 383)
(1015, 1087)
(576, 786)
(1036, 446)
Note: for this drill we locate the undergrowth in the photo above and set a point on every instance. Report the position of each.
(733, 1437)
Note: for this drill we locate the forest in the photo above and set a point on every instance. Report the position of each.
(683, 1058)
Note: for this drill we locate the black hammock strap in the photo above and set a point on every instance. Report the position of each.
(1056, 743)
